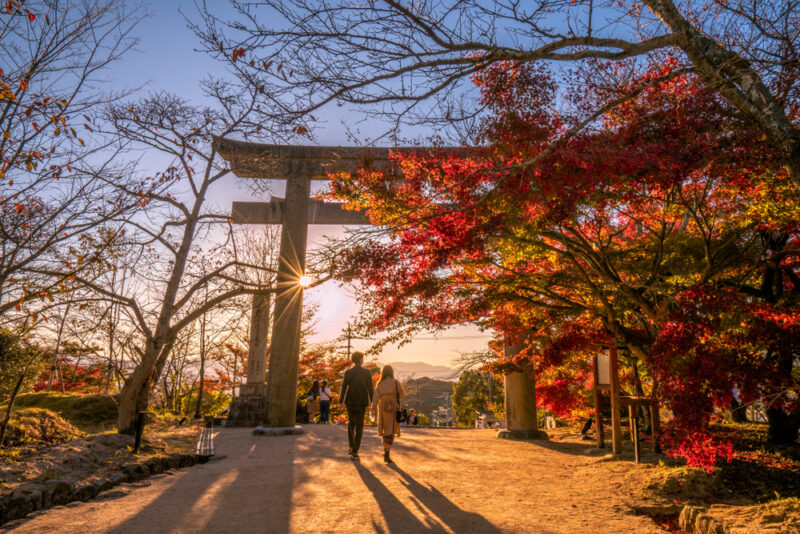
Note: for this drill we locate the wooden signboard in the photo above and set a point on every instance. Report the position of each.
(606, 378)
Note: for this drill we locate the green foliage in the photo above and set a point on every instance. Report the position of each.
(422, 420)
(161, 416)
(87, 412)
(214, 402)
(36, 425)
(471, 393)
(14, 356)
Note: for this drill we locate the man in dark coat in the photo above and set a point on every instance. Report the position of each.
(357, 396)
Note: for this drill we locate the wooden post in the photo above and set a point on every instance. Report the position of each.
(598, 410)
(655, 426)
(616, 427)
(633, 413)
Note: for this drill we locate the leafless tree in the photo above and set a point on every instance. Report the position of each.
(181, 268)
(55, 202)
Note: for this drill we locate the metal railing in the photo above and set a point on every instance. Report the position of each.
(205, 442)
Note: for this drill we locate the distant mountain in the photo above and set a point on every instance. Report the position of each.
(406, 370)
(427, 394)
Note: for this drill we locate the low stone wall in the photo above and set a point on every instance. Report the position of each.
(695, 519)
(33, 496)
(778, 516)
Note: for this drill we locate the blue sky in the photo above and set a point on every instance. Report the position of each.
(165, 60)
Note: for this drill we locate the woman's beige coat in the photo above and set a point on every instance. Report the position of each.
(385, 401)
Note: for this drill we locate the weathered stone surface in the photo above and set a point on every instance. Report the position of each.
(520, 399)
(701, 523)
(247, 411)
(272, 212)
(277, 430)
(522, 434)
(284, 358)
(696, 519)
(102, 484)
(57, 491)
(155, 465)
(687, 517)
(83, 492)
(187, 460)
(258, 160)
(3, 508)
(135, 471)
(117, 477)
(22, 503)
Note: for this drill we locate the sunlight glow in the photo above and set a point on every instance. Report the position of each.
(305, 281)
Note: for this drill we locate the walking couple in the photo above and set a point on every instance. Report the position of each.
(357, 395)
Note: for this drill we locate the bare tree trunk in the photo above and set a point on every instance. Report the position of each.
(61, 376)
(736, 80)
(55, 353)
(13, 398)
(135, 392)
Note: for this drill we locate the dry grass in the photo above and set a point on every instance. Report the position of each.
(89, 413)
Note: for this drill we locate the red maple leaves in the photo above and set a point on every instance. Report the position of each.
(654, 225)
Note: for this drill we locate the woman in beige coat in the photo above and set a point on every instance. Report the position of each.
(386, 400)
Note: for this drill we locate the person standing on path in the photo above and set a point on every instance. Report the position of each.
(387, 399)
(412, 418)
(324, 403)
(312, 401)
(356, 395)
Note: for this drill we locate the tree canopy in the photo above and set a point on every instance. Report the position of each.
(654, 230)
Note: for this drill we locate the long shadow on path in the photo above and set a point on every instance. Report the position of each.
(226, 495)
(448, 513)
(398, 518)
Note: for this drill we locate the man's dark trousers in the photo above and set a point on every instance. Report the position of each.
(355, 426)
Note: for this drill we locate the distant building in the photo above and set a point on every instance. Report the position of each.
(487, 419)
(442, 416)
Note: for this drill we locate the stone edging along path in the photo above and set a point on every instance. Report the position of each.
(694, 519)
(34, 496)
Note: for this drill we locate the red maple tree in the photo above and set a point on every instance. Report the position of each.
(666, 225)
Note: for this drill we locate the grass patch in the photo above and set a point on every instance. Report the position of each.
(37, 425)
(90, 413)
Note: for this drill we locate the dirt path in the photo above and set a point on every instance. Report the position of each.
(454, 481)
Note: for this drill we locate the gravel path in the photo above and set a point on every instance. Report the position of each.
(454, 481)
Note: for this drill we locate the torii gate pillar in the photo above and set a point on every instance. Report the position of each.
(284, 358)
(249, 407)
(520, 399)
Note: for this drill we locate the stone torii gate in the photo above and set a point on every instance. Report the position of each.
(298, 165)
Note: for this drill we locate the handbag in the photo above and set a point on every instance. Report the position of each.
(398, 414)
